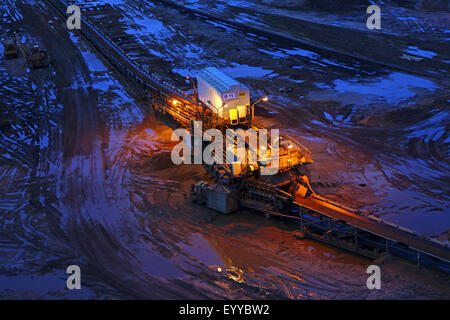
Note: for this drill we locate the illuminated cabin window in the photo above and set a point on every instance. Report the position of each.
(234, 116)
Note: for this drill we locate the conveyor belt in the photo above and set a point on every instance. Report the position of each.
(121, 57)
(374, 227)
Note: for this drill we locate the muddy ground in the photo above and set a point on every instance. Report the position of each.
(415, 41)
(86, 176)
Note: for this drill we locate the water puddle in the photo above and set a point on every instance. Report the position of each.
(392, 89)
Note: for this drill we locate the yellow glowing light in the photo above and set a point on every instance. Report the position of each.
(174, 102)
(236, 274)
(265, 99)
(290, 146)
(219, 269)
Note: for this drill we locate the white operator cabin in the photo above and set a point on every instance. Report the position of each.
(224, 95)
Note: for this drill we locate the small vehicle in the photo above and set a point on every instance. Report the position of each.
(38, 58)
(35, 57)
(10, 47)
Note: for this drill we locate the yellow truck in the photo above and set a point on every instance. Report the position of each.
(10, 48)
